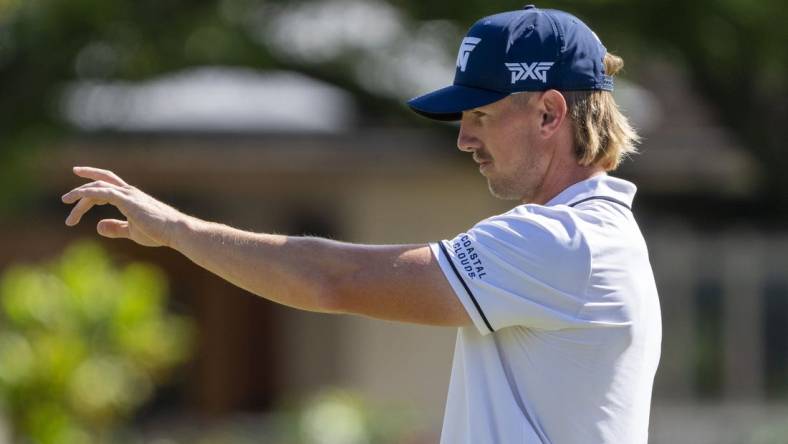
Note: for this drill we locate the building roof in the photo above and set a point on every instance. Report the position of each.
(211, 99)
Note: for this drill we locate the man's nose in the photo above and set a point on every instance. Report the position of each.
(466, 140)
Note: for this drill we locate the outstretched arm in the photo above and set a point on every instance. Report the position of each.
(394, 282)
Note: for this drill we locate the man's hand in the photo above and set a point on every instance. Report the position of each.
(394, 282)
(148, 221)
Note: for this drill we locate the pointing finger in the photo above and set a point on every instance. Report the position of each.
(94, 184)
(99, 174)
(105, 195)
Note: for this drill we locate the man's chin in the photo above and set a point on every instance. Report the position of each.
(502, 192)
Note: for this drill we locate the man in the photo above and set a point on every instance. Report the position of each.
(559, 321)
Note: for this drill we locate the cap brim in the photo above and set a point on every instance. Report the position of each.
(448, 103)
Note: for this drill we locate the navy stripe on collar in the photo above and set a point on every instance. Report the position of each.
(609, 199)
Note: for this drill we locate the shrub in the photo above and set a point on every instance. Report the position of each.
(83, 344)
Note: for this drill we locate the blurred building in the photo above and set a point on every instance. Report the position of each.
(284, 153)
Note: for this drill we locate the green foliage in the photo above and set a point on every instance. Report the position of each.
(83, 344)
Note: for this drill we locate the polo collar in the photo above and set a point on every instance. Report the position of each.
(601, 186)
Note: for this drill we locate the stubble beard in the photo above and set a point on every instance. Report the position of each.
(515, 187)
(503, 189)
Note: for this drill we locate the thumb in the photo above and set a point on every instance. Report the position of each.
(113, 228)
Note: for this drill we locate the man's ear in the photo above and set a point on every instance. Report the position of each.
(553, 110)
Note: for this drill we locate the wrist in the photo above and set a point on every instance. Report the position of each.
(181, 229)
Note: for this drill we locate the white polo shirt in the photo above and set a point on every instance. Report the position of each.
(567, 327)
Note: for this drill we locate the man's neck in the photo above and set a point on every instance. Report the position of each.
(554, 184)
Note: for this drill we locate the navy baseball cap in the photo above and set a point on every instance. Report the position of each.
(527, 50)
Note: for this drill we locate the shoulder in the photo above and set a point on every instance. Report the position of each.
(549, 242)
(555, 227)
(607, 225)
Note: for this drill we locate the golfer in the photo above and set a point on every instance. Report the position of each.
(554, 301)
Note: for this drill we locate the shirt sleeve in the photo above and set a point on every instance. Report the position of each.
(520, 268)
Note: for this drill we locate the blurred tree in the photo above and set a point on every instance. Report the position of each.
(734, 50)
(83, 344)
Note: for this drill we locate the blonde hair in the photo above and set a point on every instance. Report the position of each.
(602, 134)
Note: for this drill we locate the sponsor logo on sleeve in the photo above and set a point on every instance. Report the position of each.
(468, 258)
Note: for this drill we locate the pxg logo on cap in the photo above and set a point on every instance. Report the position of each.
(535, 70)
(527, 50)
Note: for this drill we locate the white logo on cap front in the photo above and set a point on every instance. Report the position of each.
(468, 44)
(525, 71)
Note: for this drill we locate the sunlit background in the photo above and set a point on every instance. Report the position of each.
(288, 117)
